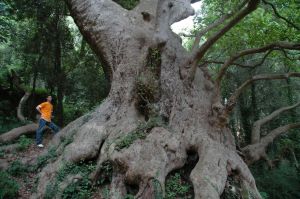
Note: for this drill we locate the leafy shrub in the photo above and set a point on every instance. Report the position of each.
(24, 142)
(105, 193)
(282, 182)
(8, 123)
(140, 132)
(74, 111)
(129, 196)
(42, 160)
(8, 186)
(105, 173)
(78, 190)
(264, 195)
(51, 190)
(177, 188)
(17, 168)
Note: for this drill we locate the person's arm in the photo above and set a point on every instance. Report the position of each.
(38, 108)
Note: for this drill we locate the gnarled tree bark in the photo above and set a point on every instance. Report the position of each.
(23, 100)
(125, 40)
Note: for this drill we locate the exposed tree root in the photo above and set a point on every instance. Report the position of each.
(9, 148)
(17, 132)
(146, 161)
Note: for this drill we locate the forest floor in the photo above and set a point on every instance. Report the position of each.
(25, 176)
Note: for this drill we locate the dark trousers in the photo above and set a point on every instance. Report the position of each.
(39, 131)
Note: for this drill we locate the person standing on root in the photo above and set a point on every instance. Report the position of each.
(45, 109)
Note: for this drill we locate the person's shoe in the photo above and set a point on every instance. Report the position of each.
(40, 145)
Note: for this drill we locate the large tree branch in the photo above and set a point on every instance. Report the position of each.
(232, 100)
(255, 134)
(242, 65)
(217, 23)
(255, 152)
(274, 46)
(197, 55)
(208, 28)
(281, 17)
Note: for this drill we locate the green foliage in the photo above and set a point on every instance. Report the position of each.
(105, 193)
(8, 186)
(140, 132)
(42, 160)
(129, 139)
(264, 195)
(51, 190)
(129, 196)
(105, 173)
(17, 168)
(81, 189)
(282, 182)
(73, 111)
(8, 123)
(158, 194)
(177, 188)
(24, 142)
(38, 91)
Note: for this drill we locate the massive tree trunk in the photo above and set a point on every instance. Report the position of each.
(150, 73)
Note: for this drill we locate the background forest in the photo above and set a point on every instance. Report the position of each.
(42, 52)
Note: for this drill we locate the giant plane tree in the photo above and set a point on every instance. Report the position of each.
(163, 105)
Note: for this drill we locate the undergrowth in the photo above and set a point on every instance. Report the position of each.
(140, 132)
(80, 189)
(16, 168)
(44, 159)
(24, 142)
(8, 186)
(177, 187)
